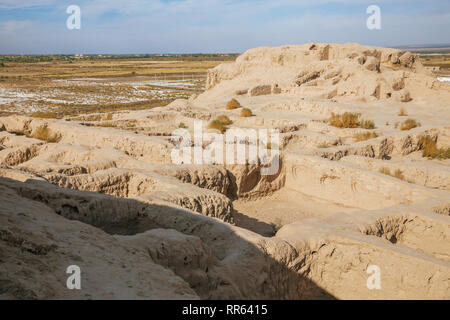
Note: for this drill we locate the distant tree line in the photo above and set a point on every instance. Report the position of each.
(34, 58)
(156, 57)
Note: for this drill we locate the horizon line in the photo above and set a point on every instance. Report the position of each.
(408, 46)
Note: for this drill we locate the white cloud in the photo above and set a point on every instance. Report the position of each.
(20, 4)
(13, 26)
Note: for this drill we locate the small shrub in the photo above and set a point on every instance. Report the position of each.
(385, 170)
(430, 149)
(45, 134)
(233, 104)
(350, 120)
(224, 120)
(217, 125)
(220, 123)
(245, 112)
(365, 136)
(428, 146)
(109, 116)
(402, 113)
(409, 124)
(182, 125)
(346, 120)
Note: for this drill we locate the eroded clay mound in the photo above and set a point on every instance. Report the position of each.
(325, 70)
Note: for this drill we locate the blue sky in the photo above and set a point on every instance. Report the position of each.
(187, 26)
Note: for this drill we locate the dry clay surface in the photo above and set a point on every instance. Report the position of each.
(110, 200)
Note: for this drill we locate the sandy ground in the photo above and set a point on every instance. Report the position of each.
(280, 208)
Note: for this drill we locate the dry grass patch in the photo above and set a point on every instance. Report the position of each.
(45, 134)
(430, 149)
(365, 136)
(245, 112)
(397, 174)
(233, 104)
(224, 120)
(409, 124)
(346, 120)
(44, 115)
(220, 123)
(350, 120)
(106, 125)
(385, 170)
(367, 124)
(436, 60)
